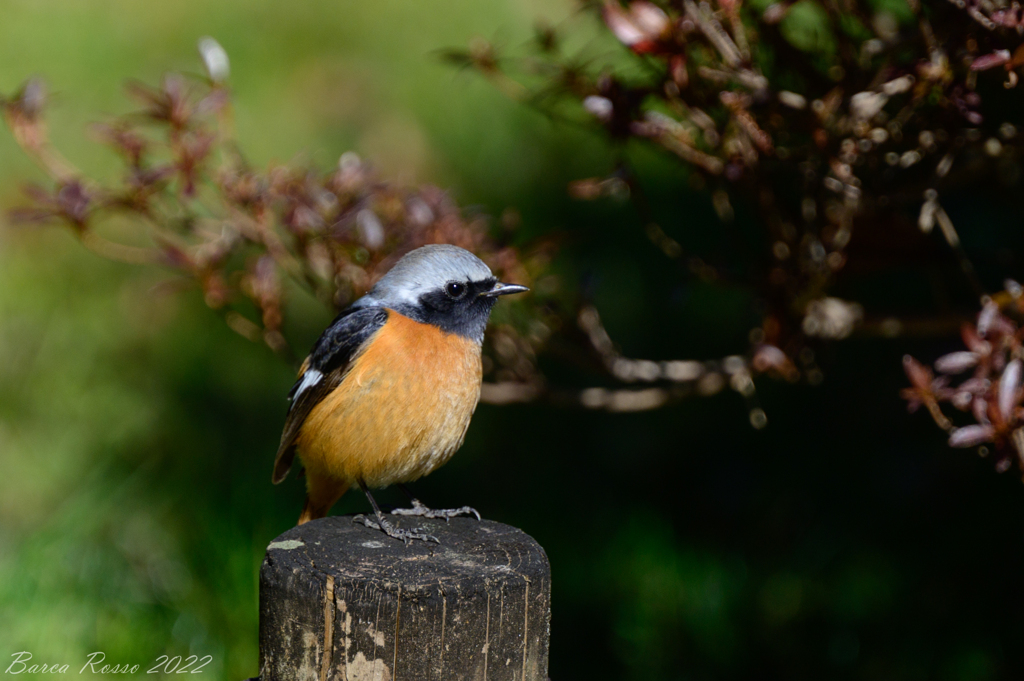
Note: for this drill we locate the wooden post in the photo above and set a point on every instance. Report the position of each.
(342, 602)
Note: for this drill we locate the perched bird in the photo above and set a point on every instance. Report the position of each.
(388, 390)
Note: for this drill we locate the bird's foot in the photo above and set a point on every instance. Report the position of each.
(382, 524)
(418, 508)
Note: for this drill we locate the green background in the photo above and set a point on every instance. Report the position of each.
(137, 431)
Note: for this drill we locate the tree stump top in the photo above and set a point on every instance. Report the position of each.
(470, 549)
(340, 601)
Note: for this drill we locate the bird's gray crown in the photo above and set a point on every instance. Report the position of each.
(423, 270)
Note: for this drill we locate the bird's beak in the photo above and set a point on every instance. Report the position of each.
(501, 289)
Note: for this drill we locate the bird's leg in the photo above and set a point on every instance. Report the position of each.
(419, 508)
(385, 526)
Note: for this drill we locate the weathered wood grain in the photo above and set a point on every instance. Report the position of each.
(342, 602)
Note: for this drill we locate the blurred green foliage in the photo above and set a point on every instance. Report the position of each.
(137, 431)
(807, 27)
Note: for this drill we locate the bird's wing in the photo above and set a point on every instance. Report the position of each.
(323, 371)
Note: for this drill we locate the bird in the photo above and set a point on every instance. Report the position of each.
(387, 391)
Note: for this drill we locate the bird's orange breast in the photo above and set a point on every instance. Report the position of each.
(401, 411)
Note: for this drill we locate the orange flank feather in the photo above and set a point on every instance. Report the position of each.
(401, 411)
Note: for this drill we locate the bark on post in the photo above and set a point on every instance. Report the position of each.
(341, 602)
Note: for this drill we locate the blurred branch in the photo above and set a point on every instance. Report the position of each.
(992, 395)
(234, 231)
(23, 115)
(875, 110)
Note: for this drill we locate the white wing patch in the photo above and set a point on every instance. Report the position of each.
(309, 379)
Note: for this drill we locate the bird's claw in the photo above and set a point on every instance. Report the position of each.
(420, 509)
(387, 528)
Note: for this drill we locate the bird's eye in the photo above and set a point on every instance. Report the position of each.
(455, 289)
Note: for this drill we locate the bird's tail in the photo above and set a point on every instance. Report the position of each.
(309, 512)
(319, 500)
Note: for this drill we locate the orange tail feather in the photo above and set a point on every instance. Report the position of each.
(319, 500)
